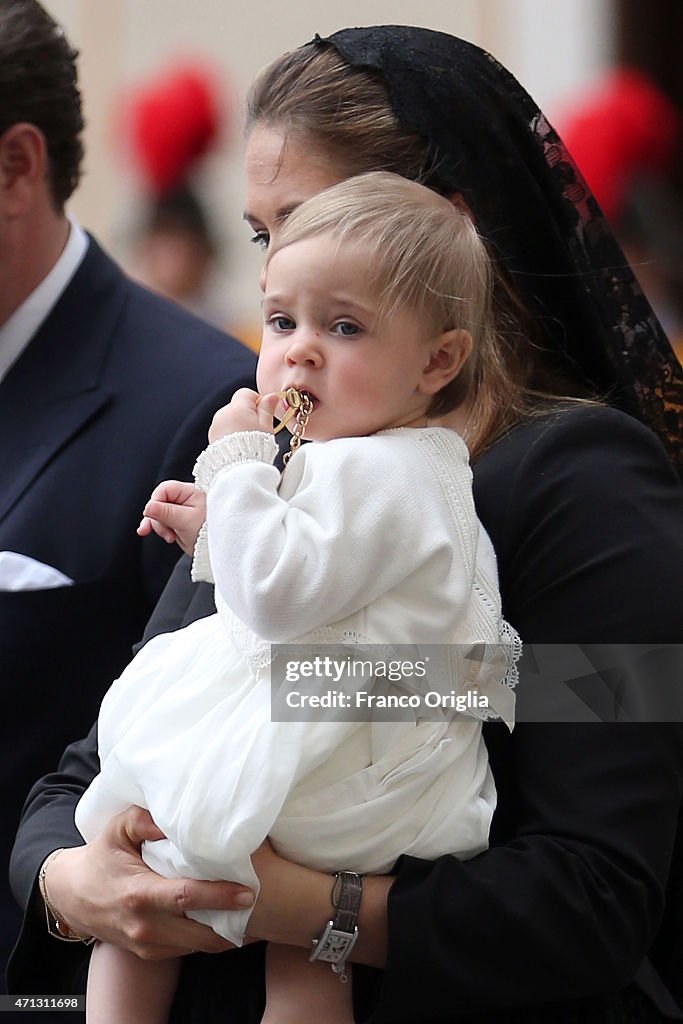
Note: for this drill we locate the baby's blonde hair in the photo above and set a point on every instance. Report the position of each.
(422, 253)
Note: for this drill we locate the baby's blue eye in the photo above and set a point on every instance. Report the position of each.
(281, 323)
(346, 329)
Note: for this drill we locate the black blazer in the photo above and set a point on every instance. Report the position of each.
(114, 393)
(554, 921)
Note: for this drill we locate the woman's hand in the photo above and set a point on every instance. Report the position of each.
(175, 511)
(245, 411)
(294, 905)
(105, 889)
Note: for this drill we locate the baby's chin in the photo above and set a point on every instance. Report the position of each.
(322, 428)
(321, 431)
(320, 435)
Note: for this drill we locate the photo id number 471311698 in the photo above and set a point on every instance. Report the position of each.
(46, 1002)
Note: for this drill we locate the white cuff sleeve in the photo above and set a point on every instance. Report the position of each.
(243, 446)
(201, 563)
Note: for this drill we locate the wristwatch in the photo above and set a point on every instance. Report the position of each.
(339, 935)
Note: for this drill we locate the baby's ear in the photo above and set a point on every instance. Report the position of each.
(448, 353)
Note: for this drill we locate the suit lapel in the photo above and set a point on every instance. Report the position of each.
(55, 386)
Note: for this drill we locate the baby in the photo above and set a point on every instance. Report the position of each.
(377, 313)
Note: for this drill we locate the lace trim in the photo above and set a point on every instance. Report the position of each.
(488, 669)
(201, 563)
(438, 446)
(258, 653)
(243, 446)
(513, 647)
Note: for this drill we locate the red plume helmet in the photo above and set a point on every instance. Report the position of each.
(171, 123)
(622, 130)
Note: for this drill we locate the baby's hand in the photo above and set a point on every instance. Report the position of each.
(175, 511)
(246, 411)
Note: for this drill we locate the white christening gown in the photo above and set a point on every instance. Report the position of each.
(368, 540)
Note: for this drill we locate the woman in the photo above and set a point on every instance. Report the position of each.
(553, 922)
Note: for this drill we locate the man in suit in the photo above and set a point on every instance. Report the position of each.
(105, 389)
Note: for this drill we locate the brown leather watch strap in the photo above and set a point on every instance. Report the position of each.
(346, 896)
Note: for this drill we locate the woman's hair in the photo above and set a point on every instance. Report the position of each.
(418, 252)
(313, 94)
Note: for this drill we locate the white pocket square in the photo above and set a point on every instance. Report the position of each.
(20, 572)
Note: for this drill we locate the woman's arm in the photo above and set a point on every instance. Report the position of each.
(294, 906)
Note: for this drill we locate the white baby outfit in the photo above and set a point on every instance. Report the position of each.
(371, 540)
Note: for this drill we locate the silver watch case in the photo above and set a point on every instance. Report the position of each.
(334, 946)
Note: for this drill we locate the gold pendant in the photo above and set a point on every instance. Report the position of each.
(299, 405)
(294, 400)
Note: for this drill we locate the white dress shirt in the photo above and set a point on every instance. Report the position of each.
(17, 332)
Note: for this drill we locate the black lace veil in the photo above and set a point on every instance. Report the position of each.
(489, 141)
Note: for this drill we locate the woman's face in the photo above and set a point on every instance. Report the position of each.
(281, 173)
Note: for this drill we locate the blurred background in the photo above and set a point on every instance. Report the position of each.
(164, 83)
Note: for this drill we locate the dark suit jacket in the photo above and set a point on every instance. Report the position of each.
(553, 922)
(114, 393)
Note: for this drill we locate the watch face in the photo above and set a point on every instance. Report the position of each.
(334, 945)
(337, 943)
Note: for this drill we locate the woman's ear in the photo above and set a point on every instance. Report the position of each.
(448, 353)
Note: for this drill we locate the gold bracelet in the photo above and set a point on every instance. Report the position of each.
(56, 925)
